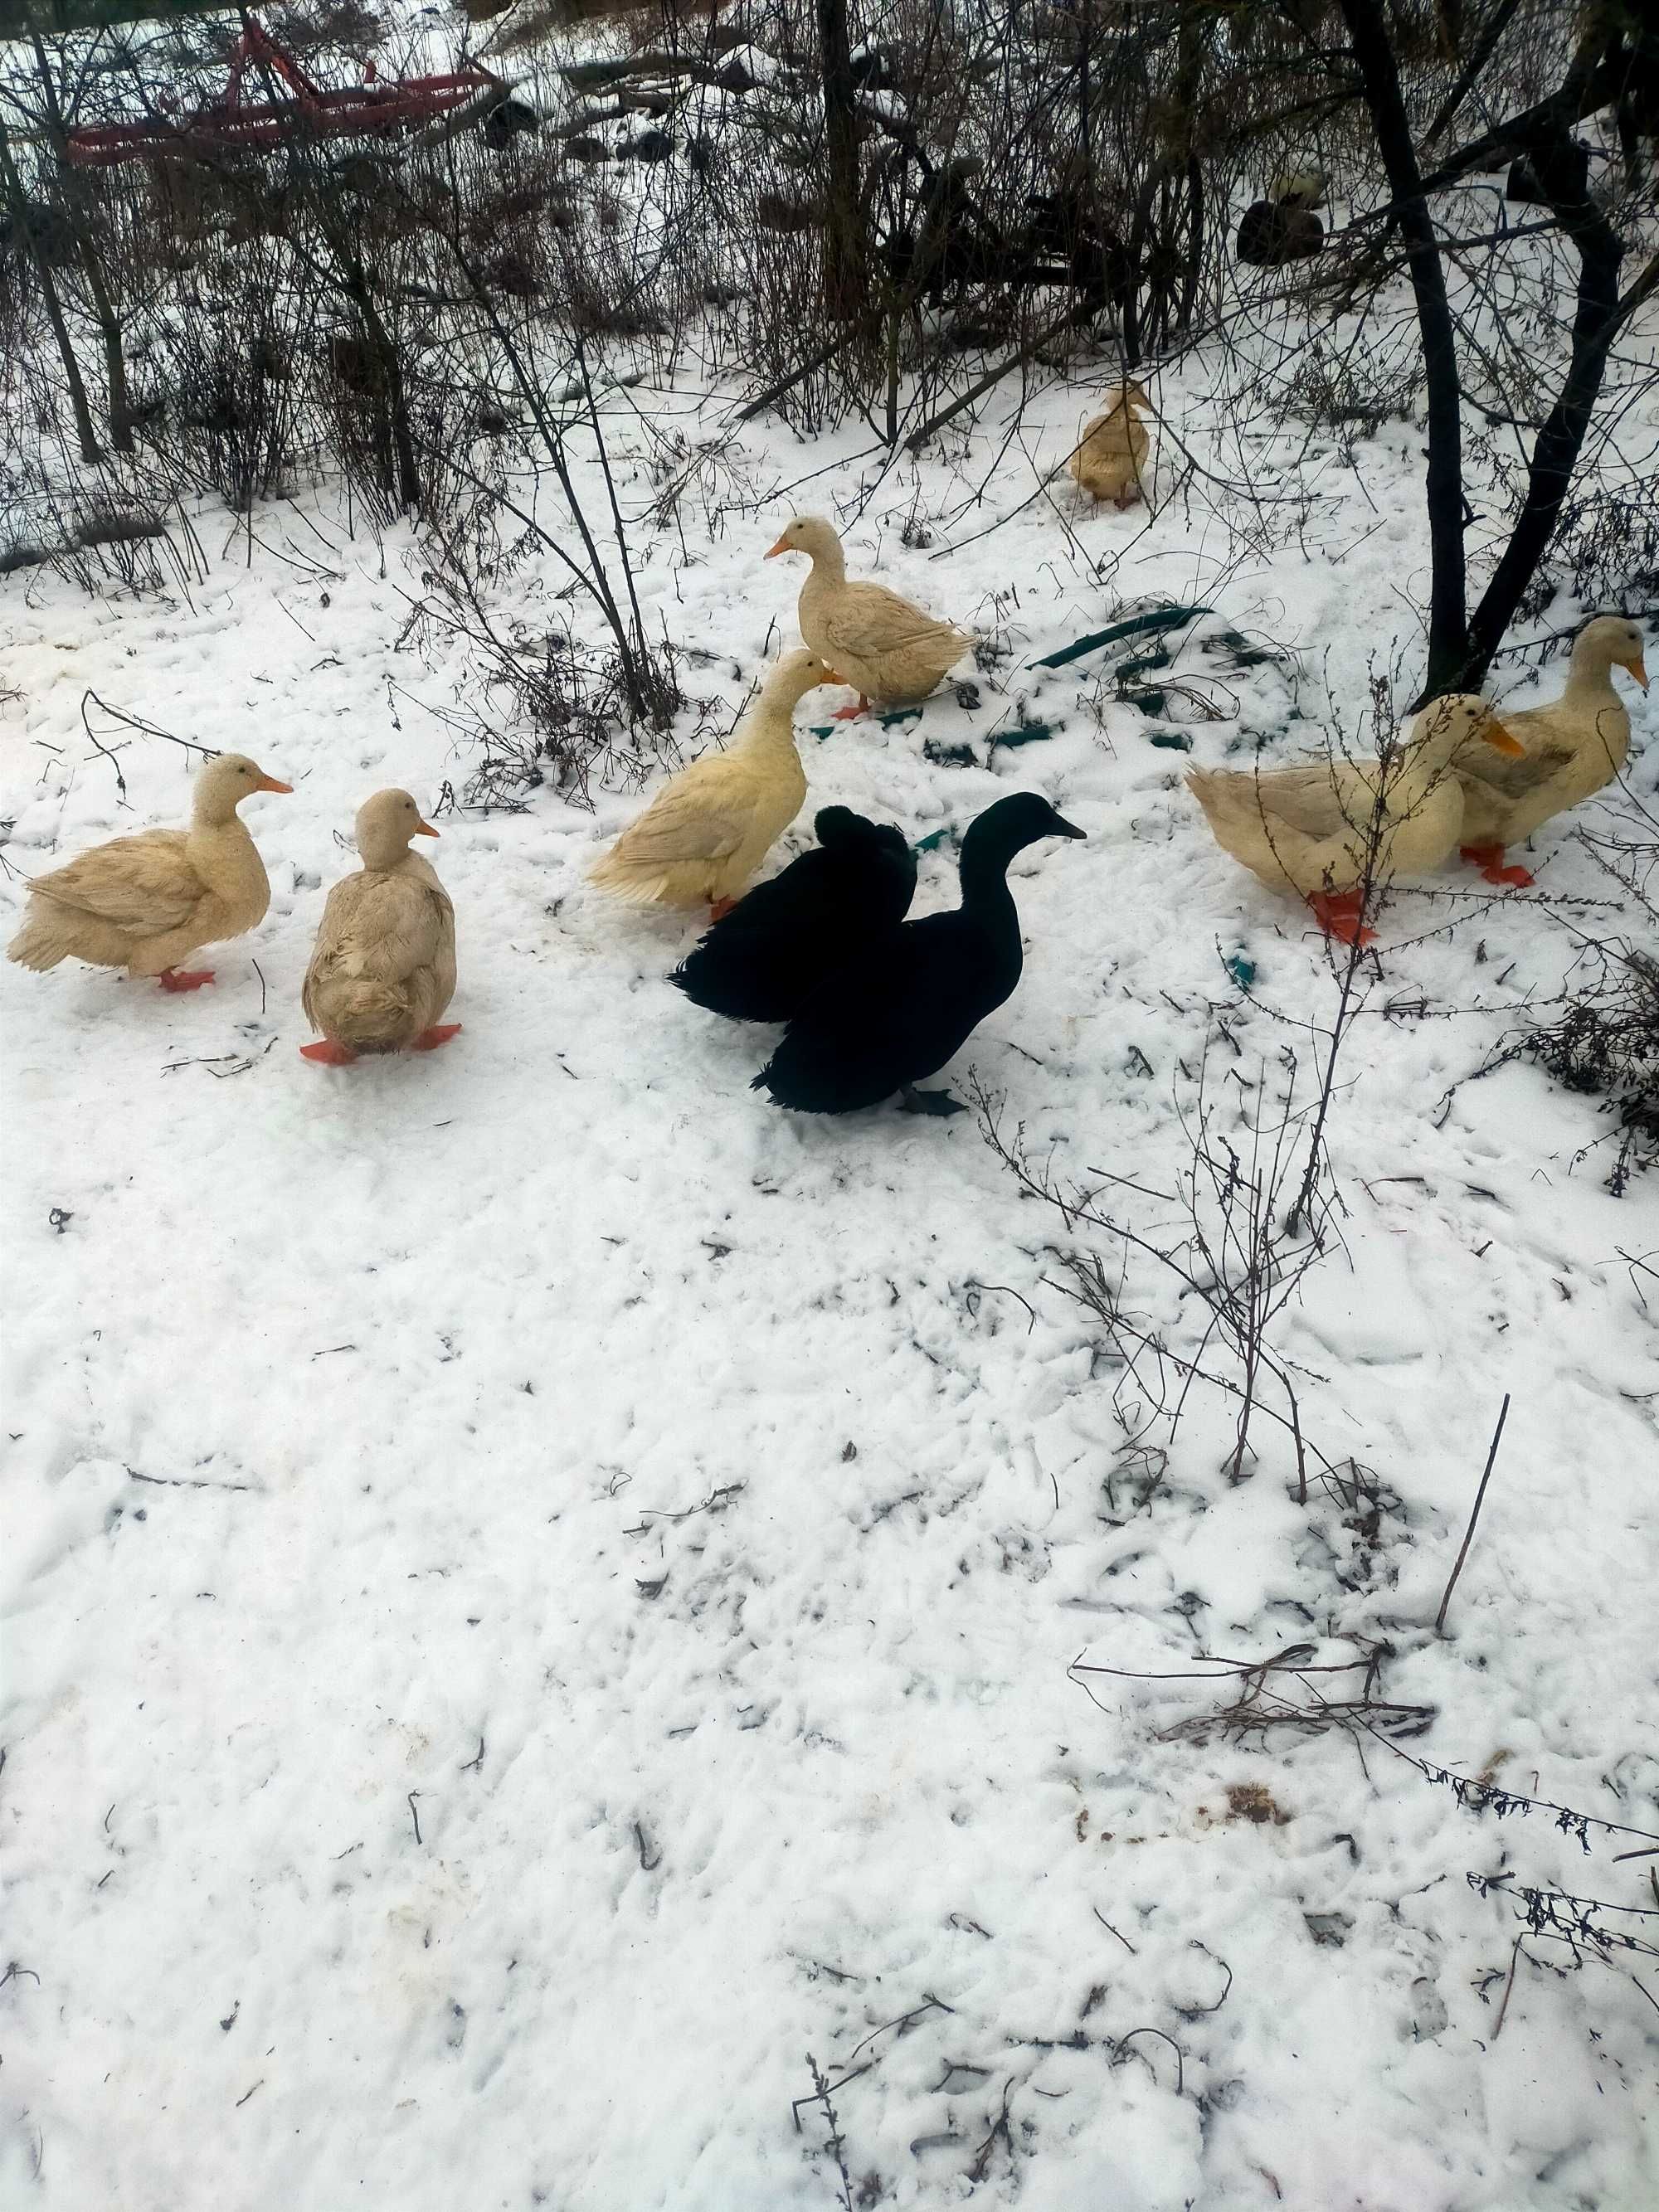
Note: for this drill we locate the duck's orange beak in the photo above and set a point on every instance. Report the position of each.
(1500, 739)
(779, 548)
(426, 830)
(1638, 668)
(270, 783)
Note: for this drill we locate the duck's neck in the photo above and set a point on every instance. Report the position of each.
(382, 860)
(227, 860)
(770, 728)
(1589, 671)
(218, 824)
(984, 892)
(829, 563)
(1419, 767)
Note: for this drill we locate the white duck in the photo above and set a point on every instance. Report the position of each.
(384, 966)
(146, 902)
(1339, 831)
(1109, 461)
(1572, 747)
(709, 828)
(891, 651)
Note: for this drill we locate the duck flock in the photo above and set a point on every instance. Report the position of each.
(874, 1004)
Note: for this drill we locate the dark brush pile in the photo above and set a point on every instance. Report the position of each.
(1606, 1044)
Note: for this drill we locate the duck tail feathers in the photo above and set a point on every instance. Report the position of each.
(39, 943)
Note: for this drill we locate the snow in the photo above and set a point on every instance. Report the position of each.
(541, 1590)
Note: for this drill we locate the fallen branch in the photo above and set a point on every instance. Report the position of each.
(1180, 2069)
(837, 2148)
(978, 390)
(1468, 1534)
(183, 1481)
(1260, 1707)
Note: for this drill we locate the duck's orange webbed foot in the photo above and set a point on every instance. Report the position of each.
(718, 908)
(327, 1052)
(1340, 914)
(851, 714)
(1489, 859)
(439, 1033)
(184, 979)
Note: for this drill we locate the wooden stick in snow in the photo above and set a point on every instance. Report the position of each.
(1468, 1534)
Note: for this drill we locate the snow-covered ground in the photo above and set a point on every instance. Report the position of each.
(540, 1589)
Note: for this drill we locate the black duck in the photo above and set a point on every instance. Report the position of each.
(764, 960)
(899, 1010)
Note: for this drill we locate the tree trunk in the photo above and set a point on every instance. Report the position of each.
(1194, 268)
(1447, 620)
(1597, 321)
(109, 326)
(1139, 231)
(845, 279)
(400, 468)
(103, 308)
(90, 448)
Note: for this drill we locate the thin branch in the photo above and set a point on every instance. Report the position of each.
(1468, 1534)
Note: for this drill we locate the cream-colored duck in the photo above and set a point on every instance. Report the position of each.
(144, 903)
(1110, 459)
(893, 652)
(383, 968)
(709, 828)
(1572, 747)
(1341, 831)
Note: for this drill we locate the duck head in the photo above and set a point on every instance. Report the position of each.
(1450, 725)
(1011, 825)
(809, 534)
(385, 825)
(792, 677)
(1610, 640)
(225, 782)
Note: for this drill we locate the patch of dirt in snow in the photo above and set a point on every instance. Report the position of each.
(541, 1590)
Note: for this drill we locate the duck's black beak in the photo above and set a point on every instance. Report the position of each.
(1062, 828)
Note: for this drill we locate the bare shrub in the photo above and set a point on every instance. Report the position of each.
(235, 380)
(538, 709)
(1600, 1035)
(1604, 1044)
(1608, 549)
(1355, 390)
(1255, 1214)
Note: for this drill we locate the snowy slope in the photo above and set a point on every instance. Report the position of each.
(541, 1589)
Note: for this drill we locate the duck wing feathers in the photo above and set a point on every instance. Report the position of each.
(891, 1017)
(764, 960)
(381, 928)
(1319, 801)
(1515, 779)
(144, 883)
(868, 622)
(383, 968)
(696, 817)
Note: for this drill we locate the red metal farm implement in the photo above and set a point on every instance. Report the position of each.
(227, 125)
